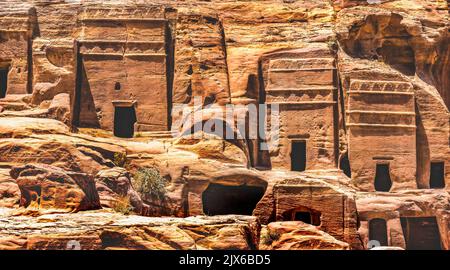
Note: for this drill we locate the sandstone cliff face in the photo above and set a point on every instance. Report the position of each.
(94, 92)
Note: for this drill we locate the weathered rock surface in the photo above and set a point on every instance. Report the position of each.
(17, 127)
(212, 147)
(296, 235)
(47, 187)
(9, 190)
(58, 108)
(108, 230)
(115, 184)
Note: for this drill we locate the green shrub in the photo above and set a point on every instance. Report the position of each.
(123, 205)
(270, 237)
(120, 159)
(148, 182)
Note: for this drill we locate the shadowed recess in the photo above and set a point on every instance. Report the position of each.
(303, 214)
(3, 82)
(378, 231)
(224, 200)
(383, 180)
(124, 119)
(421, 233)
(298, 156)
(437, 175)
(344, 165)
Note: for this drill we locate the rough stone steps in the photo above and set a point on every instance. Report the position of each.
(14, 106)
(381, 125)
(16, 98)
(381, 93)
(105, 41)
(303, 102)
(301, 69)
(381, 112)
(143, 20)
(303, 89)
(121, 54)
(157, 134)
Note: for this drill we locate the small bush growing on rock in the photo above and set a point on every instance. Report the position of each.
(123, 205)
(270, 237)
(148, 182)
(120, 159)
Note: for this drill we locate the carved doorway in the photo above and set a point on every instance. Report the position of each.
(124, 120)
(437, 175)
(383, 180)
(3, 81)
(298, 156)
(421, 233)
(378, 231)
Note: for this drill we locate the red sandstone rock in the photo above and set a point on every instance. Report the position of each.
(9, 190)
(296, 235)
(362, 88)
(114, 184)
(46, 187)
(108, 230)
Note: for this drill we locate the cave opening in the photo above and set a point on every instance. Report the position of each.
(437, 71)
(378, 231)
(124, 120)
(382, 37)
(383, 180)
(226, 200)
(399, 56)
(303, 214)
(3, 81)
(344, 165)
(298, 156)
(437, 175)
(421, 233)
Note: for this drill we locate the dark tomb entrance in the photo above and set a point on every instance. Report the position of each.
(421, 233)
(298, 156)
(378, 231)
(437, 175)
(3, 81)
(344, 165)
(225, 200)
(124, 119)
(303, 214)
(383, 180)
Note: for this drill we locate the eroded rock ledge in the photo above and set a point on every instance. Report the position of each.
(105, 229)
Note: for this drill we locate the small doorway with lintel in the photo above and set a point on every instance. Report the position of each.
(298, 155)
(378, 231)
(124, 119)
(437, 175)
(383, 182)
(4, 70)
